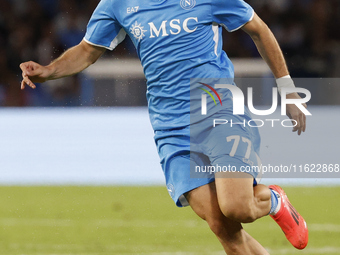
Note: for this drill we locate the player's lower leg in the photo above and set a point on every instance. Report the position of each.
(230, 233)
(242, 202)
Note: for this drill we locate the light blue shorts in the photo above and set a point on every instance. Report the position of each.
(190, 156)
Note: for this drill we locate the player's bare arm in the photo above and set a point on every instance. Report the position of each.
(73, 61)
(270, 51)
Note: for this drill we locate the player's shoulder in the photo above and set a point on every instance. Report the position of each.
(108, 7)
(109, 4)
(119, 5)
(227, 3)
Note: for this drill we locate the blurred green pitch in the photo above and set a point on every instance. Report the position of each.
(89, 220)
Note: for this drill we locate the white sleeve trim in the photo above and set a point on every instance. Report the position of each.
(216, 36)
(251, 18)
(117, 40)
(102, 46)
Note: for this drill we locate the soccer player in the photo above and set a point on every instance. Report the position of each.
(176, 41)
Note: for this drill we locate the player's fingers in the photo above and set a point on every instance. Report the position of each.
(294, 122)
(28, 82)
(24, 68)
(30, 69)
(302, 122)
(296, 128)
(302, 118)
(22, 84)
(297, 121)
(300, 128)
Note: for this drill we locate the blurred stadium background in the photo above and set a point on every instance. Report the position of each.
(93, 129)
(41, 30)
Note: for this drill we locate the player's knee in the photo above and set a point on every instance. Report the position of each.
(229, 234)
(240, 211)
(217, 226)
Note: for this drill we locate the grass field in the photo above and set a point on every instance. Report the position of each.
(142, 220)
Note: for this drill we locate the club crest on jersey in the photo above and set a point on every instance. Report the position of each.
(137, 31)
(171, 190)
(188, 4)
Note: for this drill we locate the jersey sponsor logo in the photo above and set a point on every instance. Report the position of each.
(173, 27)
(188, 4)
(137, 30)
(132, 9)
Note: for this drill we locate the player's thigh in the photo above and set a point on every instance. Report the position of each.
(232, 151)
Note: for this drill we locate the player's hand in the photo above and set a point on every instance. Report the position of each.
(294, 113)
(33, 72)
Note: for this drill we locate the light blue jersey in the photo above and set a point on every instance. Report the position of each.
(175, 40)
(178, 41)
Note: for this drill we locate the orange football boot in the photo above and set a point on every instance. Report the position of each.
(290, 221)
